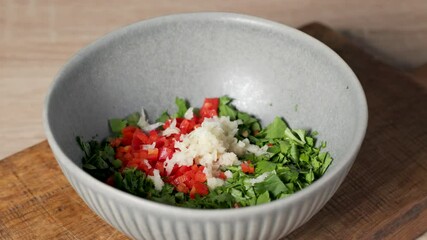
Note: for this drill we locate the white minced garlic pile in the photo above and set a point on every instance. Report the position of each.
(211, 145)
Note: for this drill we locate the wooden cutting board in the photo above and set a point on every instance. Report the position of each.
(383, 197)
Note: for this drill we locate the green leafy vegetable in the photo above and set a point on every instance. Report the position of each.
(273, 184)
(117, 125)
(276, 129)
(163, 117)
(98, 158)
(263, 198)
(182, 107)
(264, 166)
(292, 162)
(133, 119)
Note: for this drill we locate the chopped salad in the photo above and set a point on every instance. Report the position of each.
(212, 157)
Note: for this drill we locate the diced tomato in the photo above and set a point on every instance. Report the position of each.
(200, 189)
(186, 126)
(200, 177)
(165, 153)
(247, 167)
(138, 139)
(183, 170)
(142, 136)
(127, 157)
(161, 167)
(209, 108)
(127, 133)
(144, 166)
(222, 175)
(175, 169)
(140, 154)
(179, 121)
(180, 180)
(167, 123)
(176, 137)
(153, 135)
(135, 163)
(161, 141)
(153, 154)
(182, 188)
(115, 142)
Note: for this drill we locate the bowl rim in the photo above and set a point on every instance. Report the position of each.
(137, 202)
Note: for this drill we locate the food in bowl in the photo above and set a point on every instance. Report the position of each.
(212, 157)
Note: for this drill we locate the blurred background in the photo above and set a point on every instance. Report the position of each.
(38, 36)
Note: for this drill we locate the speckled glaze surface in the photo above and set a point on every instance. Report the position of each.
(268, 68)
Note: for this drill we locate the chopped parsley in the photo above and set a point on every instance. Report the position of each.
(276, 161)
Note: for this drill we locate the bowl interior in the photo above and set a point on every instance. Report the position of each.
(269, 69)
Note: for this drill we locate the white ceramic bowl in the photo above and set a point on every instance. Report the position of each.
(270, 69)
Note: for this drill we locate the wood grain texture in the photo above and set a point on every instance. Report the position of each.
(37, 202)
(385, 194)
(383, 197)
(38, 36)
(420, 74)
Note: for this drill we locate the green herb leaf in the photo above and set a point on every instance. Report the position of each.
(117, 125)
(276, 129)
(246, 118)
(225, 109)
(163, 117)
(272, 184)
(133, 119)
(309, 177)
(264, 166)
(263, 198)
(117, 163)
(290, 136)
(327, 161)
(224, 100)
(182, 107)
(97, 160)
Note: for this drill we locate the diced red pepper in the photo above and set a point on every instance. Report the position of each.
(200, 177)
(139, 138)
(182, 188)
(209, 108)
(222, 175)
(187, 179)
(161, 167)
(153, 135)
(165, 153)
(127, 133)
(167, 123)
(247, 167)
(185, 126)
(200, 189)
(143, 165)
(180, 180)
(153, 154)
(115, 142)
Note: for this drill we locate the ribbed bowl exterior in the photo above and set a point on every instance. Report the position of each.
(144, 222)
